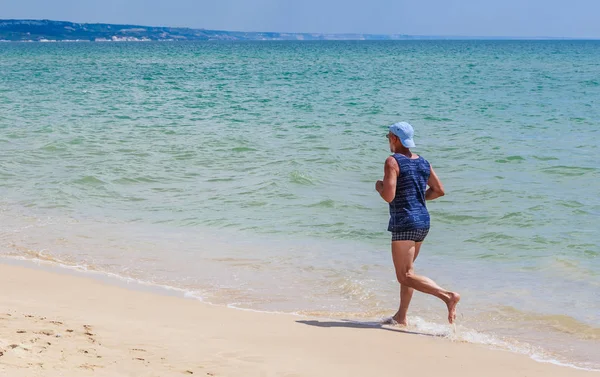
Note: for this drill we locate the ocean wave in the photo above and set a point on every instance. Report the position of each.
(301, 178)
(569, 171)
(557, 322)
(89, 180)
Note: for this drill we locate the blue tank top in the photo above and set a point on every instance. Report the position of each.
(408, 210)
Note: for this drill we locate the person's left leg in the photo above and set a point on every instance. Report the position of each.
(406, 294)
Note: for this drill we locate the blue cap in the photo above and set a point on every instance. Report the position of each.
(405, 133)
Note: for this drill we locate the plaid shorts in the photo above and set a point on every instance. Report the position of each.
(417, 235)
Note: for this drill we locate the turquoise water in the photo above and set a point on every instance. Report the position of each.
(243, 174)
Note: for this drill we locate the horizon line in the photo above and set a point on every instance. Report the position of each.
(431, 36)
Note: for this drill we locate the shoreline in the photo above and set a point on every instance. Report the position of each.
(124, 329)
(465, 332)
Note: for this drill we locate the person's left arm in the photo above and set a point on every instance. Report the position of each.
(387, 187)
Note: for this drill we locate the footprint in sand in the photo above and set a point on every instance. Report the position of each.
(138, 350)
(90, 335)
(88, 330)
(90, 366)
(45, 332)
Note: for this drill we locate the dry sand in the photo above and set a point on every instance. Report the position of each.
(55, 324)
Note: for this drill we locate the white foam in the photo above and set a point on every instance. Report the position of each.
(562, 364)
(234, 306)
(463, 334)
(85, 269)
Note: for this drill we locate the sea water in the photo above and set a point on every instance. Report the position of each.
(243, 174)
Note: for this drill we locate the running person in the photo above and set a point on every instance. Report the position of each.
(404, 187)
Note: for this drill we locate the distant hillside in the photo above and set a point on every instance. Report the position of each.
(46, 30)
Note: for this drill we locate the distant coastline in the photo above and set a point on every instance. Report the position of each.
(64, 31)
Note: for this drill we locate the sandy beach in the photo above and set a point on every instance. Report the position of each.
(61, 324)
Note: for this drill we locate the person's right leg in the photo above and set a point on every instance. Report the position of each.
(403, 255)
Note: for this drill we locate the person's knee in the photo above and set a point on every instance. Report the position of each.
(405, 277)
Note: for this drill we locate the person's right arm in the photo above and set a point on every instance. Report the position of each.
(436, 189)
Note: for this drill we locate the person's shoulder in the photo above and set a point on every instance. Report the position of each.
(391, 162)
(424, 163)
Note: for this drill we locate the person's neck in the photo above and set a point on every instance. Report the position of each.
(404, 151)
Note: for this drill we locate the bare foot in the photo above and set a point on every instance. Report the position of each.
(401, 321)
(452, 302)
(395, 321)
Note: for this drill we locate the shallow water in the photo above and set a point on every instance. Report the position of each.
(244, 173)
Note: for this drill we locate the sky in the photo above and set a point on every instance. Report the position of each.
(510, 18)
